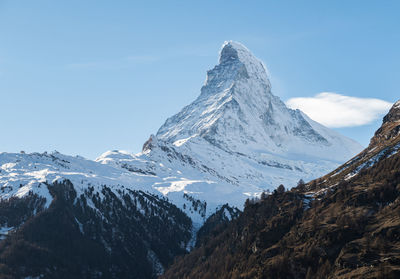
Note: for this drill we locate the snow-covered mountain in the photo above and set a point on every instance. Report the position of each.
(237, 112)
(234, 141)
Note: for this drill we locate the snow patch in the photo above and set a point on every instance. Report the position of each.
(4, 231)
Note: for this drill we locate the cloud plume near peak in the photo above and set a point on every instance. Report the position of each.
(336, 111)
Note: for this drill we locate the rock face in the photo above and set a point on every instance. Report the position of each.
(390, 128)
(394, 114)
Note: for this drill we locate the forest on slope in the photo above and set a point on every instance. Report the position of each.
(352, 232)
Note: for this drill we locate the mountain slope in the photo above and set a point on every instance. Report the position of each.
(383, 144)
(325, 229)
(78, 218)
(121, 234)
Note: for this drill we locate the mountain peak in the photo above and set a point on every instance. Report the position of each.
(237, 59)
(231, 50)
(237, 112)
(394, 113)
(390, 128)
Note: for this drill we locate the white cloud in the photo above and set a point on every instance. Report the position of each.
(335, 110)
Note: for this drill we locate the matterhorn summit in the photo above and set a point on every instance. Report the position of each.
(237, 112)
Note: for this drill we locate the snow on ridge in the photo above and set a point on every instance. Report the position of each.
(255, 68)
(21, 174)
(24, 173)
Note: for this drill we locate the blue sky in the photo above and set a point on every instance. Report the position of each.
(84, 77)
